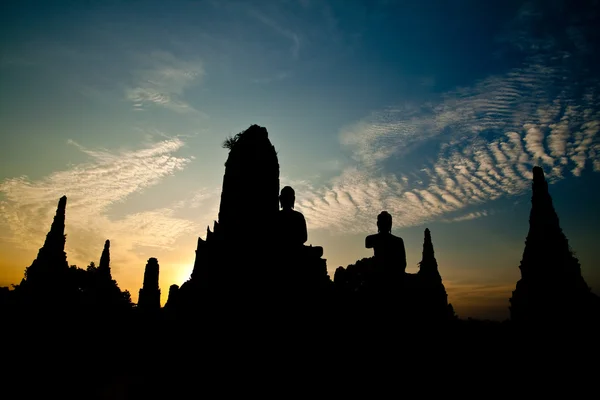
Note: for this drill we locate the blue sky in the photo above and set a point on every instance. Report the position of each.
(435, 111)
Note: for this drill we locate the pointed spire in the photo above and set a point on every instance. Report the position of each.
(104, 267)
(428, 252)
(542, 210)
(59, 218)
(546, 243)
(551, 282)
(51, 262)
(428, 264)
(55, 239)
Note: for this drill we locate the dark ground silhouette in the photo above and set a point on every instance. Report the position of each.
(259, 313)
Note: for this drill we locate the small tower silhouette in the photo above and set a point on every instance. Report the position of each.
(551, 287)
(104, 267)
(433, 299)
(149, 297)
(172, 299)
(428, 265)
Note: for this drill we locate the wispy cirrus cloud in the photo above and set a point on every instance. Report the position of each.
(162, 81)
(92, 189)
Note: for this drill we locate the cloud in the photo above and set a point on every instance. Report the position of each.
(93, 189)
(385, 133)
(162, 81)
(475, 144)
(200, 197)
(468, 217)
(534, 143)
(585, 139)
(467, 174)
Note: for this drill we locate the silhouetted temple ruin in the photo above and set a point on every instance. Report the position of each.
(256, 261)
(226, 261)
(433, 300)
(372, 287)
(551, 288)
(428, 265)
(101, 290)
(149, 296)
(51, 260)
(249, 197)
(257, 286)
(239, 261)
(46, 281)
(172, 299)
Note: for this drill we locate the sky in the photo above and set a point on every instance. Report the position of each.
(435, 111)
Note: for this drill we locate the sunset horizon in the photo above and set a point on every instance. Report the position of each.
(436, 113)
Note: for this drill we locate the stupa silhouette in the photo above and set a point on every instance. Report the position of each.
(237, 264)
(46, 282)
(551, 288)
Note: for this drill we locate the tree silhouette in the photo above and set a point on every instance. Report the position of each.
(91, 267)
(230, 142)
